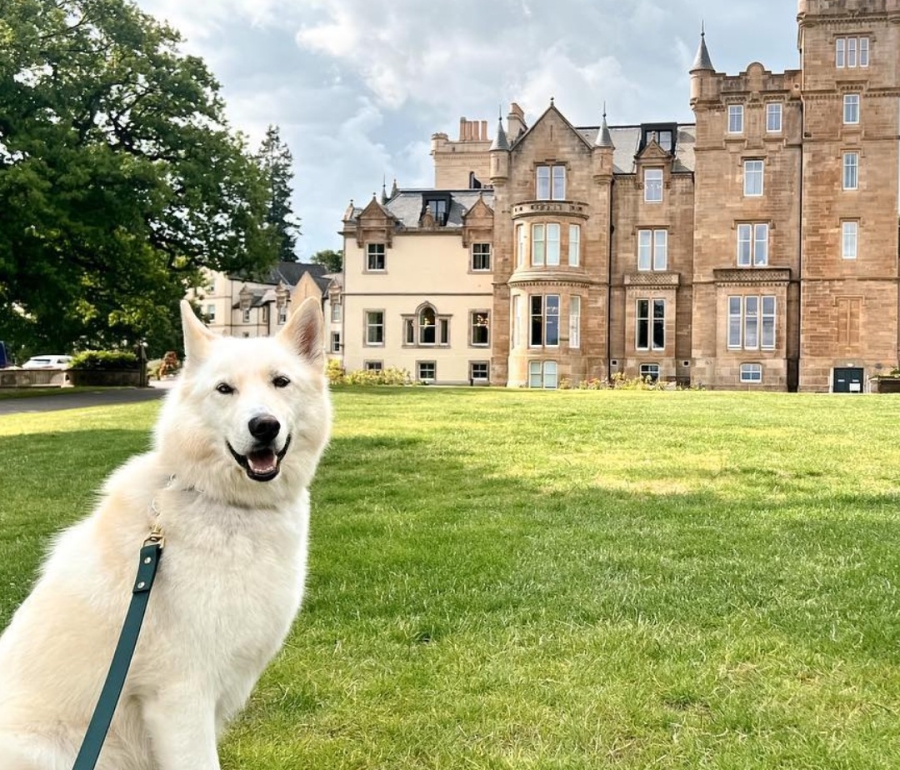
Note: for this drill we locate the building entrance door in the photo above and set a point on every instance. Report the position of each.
(847, 380)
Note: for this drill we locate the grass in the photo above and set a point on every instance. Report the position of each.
(515, 579)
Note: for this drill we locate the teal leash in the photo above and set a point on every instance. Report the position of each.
(151, 552)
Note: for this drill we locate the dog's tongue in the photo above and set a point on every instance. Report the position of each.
(262, 462)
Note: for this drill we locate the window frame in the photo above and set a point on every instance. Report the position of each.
(774, 109)
(655, 184)
(419, 367)
(552, 243)
(763, 322)
(542, 371)
(541, 321)
(646, 370)
(550, 182)
(850, 171)
(574, 245)
(474, 324)
(752, 173)
(480, 250)
(852, 108)
(751, 373)
(749, 255)
(538, 244)
(735, 119)
(648, 323)
(369, 325)
(373, 252)
(335, 342)
(487, 371)
(575, 322)
(336, 312)
(850, 230)
(648, 256)
(521, 245)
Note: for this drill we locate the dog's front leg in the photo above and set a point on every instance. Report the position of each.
(182, 728)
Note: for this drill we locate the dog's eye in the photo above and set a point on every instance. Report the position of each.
(281, 382)
(224, 388)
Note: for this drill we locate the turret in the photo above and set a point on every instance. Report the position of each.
(499, 156)
(701, 72)
(602, 153)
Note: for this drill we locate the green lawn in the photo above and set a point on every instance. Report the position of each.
(515, 579)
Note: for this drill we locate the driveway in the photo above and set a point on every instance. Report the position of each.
(79, 400)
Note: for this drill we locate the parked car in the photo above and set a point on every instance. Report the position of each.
(47, 362)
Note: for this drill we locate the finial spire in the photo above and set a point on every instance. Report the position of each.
(500, 141)
(604, 138)
(702, 60)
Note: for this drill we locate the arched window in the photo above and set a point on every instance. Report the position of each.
(427, 326)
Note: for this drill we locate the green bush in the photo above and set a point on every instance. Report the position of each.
(105, 361)
(390, 376)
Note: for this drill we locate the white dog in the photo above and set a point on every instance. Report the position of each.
(235, 450)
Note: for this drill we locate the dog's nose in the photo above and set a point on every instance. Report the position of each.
(264, 428)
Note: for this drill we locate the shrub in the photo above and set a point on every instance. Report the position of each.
(335, 372)
(389, 376)
(105, 361)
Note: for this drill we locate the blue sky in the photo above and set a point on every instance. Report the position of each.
(358, 87)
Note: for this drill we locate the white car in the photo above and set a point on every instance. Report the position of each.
(47, 362)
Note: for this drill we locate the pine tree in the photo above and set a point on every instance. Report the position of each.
(276, 161)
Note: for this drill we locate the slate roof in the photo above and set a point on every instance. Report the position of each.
(627, 140)
(289, 273)
(406, 206)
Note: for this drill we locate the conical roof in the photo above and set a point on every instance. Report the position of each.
(500, 141)
(604, 138)
(702, 60)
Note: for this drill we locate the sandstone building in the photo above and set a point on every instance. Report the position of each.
(755, 248)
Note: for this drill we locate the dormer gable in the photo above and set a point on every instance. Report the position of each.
(478, 223)
(375, 223)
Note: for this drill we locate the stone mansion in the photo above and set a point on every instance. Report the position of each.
(754, 248)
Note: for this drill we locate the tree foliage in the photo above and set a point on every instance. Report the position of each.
(333, 260)
(120, 178)
(276, 162)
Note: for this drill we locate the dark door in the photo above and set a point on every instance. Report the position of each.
(848, 380)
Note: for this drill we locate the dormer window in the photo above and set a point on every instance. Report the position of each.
(550, 183)
(439, 208)
(664, 134)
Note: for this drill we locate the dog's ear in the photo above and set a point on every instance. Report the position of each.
(196, 335)
(303, 332)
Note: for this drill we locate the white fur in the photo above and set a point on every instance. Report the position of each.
(230, 580)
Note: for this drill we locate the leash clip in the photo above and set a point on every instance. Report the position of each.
(156, 536)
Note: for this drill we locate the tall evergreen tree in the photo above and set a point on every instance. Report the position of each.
(276, 161)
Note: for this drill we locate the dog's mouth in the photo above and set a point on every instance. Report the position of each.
(261, 464)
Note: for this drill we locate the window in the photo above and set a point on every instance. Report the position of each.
(650, 372)
(520, 245)
(432, 329)
(651, 329)
(544, 320)
(653, 185)
(438, 205)
(753, 244)
(849, 239)
(282, 314)
(735, 119)
(751, 323)
(516, 331)
(374, 256)
(480, 327)
(335, 342)
(542, 374)
(373, 366)
(553, 245)
(550, 183)
(336, 312)
(210, 314)
(537, 245)
(426, 370)
(481, 256)
(246, 315)
(478, 371)
(851, 109)
(851, 170)
(575, 322)
(773, 118)
(574, 245)
(652, 249)
(851, 52)
(751, 373)
(753, 178)
(374, 327)
(265, 314)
